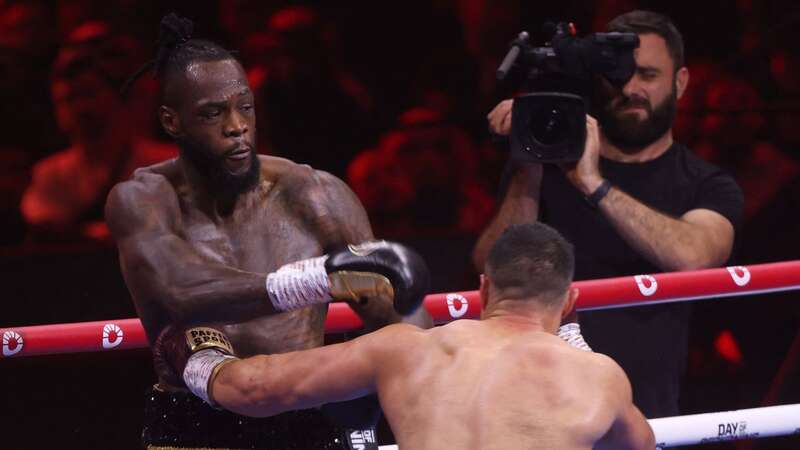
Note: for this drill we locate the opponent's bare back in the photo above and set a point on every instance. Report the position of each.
(493, 385)
(496, 384)
(504, 382)
(187, 260)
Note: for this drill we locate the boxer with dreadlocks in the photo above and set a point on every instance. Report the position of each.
(253, 245)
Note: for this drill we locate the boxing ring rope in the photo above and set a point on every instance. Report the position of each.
(720, 426)
(122, 334)
(607, 293)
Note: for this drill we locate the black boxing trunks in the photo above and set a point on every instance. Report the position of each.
(179, 420)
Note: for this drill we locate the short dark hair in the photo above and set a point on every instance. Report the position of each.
(532, 260)
(177, 50)
(642, 22)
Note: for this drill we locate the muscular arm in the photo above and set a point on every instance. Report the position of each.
(630, 430)
(334, 213)
(699, 239)
(266, 385)
(520, 205)
(161, 268)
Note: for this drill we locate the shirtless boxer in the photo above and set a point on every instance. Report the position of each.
(504, 382)
(204, 237)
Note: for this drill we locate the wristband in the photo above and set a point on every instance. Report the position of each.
(202, 368)
(598, 194)
(571, 334)
(299, 284)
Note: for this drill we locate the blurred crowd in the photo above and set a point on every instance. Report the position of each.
(389, 97)
(392, 98)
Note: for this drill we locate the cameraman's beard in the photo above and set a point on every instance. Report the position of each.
(631, 134)
(212, 170)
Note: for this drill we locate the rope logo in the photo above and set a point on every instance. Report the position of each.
(732, 429)
(740, 280)
(646, 290)
(12, 343)
(112, 335)
(463, 305)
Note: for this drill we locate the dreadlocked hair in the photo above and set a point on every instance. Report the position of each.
(177, 50)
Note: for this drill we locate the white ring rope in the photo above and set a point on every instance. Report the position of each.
(695, 429)
(750, 423)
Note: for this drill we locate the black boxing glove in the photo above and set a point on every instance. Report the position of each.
(379, 268)
(192, 357)
(353, 272)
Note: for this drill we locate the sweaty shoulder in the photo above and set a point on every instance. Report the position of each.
(299, 179)
(323, 202)
(607, 373)
(455, 334)
(393, 343)
(147, 199)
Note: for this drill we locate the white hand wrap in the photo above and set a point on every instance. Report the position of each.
(571, 333)
(199, 369)
(299, 284)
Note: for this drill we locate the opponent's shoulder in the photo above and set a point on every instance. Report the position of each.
(605, 371)
(400, 332)
(455, 334)
(395, 339)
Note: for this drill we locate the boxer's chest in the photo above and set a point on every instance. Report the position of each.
(259, 237)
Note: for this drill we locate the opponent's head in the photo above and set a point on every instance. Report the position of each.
(530, 263)
(643, 111)
(207, 107)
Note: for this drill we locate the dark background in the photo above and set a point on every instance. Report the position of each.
(391, 96)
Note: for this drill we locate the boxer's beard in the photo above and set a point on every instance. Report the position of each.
(212, 169)
(631, 134)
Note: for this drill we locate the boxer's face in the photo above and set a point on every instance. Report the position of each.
(213, 119)
(645, 108)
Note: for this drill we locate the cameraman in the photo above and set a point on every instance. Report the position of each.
(636, 203)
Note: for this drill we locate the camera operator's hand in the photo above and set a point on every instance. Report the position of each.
(585, 174)
(500, 118)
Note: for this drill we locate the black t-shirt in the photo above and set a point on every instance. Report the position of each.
(649, 342)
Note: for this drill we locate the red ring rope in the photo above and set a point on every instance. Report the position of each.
(122, 334)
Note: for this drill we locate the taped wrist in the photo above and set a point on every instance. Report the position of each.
(571, 334)
(299, 284)
(201, 369)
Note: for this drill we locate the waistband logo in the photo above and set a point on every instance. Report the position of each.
(203, 337)
(649, 288)
(461, 309)
(112, 335)
(362, 439)
(740, 280)
(12, 343)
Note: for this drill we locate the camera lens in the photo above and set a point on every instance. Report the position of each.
(550, 126)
